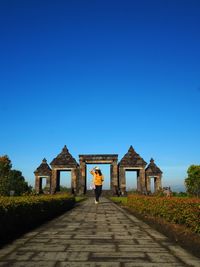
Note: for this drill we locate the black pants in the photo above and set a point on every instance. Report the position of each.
(98, 190)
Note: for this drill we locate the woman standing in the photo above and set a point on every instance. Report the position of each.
(98, 179)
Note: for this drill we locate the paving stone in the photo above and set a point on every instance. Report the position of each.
(31, 234)
(50, 232)
(4, 263)
(89, 264)
(138, 248)
(20, 255)
(77, 236)
(61, 256)
(120, 256)
(7, 249)
(148, 264)
(60, 236)
(161, 257)
(42, 247)
(145, 241)
(69, 241)
(158, 235)
(93, 248)
(37, 240)
(185, 256)
(30, 264)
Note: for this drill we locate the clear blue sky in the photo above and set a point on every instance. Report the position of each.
(100, 76)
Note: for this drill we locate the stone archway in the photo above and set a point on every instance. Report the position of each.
(152, 171)
(111, 159)
(64, 162)
(43, 171)
(132, 161)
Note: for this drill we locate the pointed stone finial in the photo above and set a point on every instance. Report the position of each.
(131, 149)
(152, 160)
(65, 149)
(44, 161)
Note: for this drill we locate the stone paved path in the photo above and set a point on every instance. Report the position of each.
(93, 236)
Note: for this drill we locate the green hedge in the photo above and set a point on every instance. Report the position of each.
(177, 210)
(19, 214)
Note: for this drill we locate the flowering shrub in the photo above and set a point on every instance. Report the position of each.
(177, 210)
(18, 214)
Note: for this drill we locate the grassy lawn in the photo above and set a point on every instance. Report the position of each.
(80, 198)
(119, 200)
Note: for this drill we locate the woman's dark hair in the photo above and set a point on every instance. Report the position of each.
(99, 172)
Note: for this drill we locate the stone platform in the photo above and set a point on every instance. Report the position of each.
(102, 235)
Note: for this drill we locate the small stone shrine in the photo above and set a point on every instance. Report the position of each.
(130, 162)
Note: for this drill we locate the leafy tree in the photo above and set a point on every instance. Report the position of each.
(192, 182)
(17, 182)
(5, 167)
(11, 180)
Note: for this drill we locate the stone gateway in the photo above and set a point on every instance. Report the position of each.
(130, 162)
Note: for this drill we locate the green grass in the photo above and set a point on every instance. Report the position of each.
(80, 198)
(120, 200)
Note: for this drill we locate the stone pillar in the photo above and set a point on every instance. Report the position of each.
(111, 177)
(37, 184)
(40, 179)
(142, 186)
(82, 177)
(58, 181)
(114, 177)
(138, 181)
(122, 180)
(78, 181)
(158, 184)
(48, 182)
(74, 174)
(54, 181)
(148, 183)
